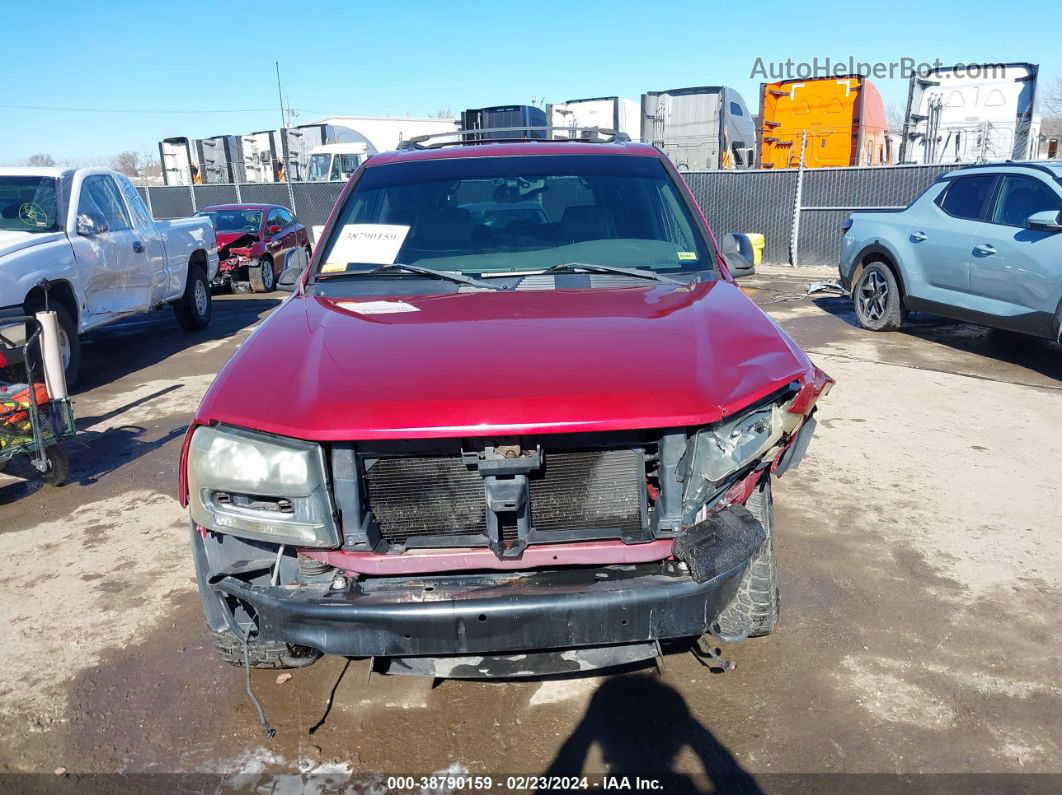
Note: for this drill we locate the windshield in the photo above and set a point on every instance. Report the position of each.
(233, 220)
(317, 171)
(504, 214)
(28, 204)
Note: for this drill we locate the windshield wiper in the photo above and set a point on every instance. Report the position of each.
(637, 273)
(401, 267)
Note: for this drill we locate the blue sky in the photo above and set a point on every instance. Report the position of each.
(414, 58)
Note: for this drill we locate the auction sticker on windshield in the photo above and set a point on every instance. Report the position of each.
(368, 244)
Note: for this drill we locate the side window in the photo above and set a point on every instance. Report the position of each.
(285, 218)
(100, 196)
(1021, 197)
(135, 202)
(274, 219)
(735, 109)
(967, 197)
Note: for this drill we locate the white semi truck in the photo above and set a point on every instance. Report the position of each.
(609, 113)
(975, 114)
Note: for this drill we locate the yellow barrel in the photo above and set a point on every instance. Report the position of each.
(757, 247)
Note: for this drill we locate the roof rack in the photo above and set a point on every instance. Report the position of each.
(528, 134)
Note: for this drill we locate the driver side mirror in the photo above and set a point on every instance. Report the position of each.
(90, 225)
(289, 279)
(1046, 221)
(738, 253)
(273, 229)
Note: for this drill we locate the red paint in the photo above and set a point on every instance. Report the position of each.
(267, 243)
(505, 363)
(426, 561)
(488, 364)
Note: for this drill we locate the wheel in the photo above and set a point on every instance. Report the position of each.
(262, 276)
(58, 466)
(262, 654)
(877, 299)
(754, 609)
(194, 309)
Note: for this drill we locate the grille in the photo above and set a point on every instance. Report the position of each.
(429, 496)
(588, 489)
(439, 496)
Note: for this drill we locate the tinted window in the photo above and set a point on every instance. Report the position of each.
(274, 218)
(735, 109)
(514, 213)
(967, 196)
(284, 217)
(1021, 197)
(100, 197)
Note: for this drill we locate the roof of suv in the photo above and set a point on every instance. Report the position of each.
(516, 149)
(1051, 167)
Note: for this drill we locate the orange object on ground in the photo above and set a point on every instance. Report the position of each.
(15, 408)
(843, 118)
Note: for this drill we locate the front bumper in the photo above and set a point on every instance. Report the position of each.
(491, 613)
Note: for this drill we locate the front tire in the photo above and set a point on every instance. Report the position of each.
(195, 308)
(877, 299)
(755, 608)
(262, 276)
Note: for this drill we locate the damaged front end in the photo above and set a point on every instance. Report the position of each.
(490, 557)
(235, 258)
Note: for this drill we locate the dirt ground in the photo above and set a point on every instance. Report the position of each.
(922, 607)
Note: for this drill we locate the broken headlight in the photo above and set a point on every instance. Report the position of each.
(719, 451)
(259, 486)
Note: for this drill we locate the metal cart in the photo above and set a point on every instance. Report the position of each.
(30, 427)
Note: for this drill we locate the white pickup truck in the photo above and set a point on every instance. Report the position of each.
(84, 241)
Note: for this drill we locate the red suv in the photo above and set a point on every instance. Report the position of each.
(255, 243)
(521, 420)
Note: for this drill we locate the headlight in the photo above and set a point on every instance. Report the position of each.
(715, 453)
(258, 486)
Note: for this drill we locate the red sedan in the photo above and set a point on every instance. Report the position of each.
(255, 243)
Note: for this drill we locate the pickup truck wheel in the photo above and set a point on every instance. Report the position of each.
(877, 300)
(262, 277)
(194, 308)
(754, 610)
(262, 654)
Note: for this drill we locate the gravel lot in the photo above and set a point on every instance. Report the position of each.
(922, 607)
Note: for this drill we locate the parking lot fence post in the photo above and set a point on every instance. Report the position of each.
(794, 243)
(291, 198)
(239, 196)
(191, 192)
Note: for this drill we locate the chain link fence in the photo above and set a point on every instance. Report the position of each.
(799, 212)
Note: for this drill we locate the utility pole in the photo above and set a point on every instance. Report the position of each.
(280, 96)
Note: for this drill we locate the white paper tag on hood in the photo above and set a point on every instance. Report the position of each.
(376, 307)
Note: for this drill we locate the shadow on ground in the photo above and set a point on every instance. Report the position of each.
(140, 342)
(1038, 355)
(641, 725)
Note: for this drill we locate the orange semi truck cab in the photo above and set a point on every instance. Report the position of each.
(843, 118)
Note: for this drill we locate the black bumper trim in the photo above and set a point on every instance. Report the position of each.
(576, 609)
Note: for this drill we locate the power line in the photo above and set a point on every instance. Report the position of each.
(132, 110)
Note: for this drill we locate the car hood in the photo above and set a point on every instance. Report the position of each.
(228, 238)
(498, 363)
(12, 241)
